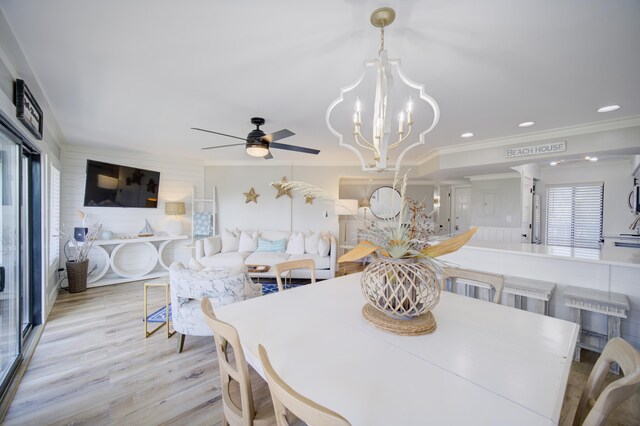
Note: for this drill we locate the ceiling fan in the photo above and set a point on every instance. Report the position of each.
(258, 144)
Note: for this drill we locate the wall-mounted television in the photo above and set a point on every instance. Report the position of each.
(112, 185)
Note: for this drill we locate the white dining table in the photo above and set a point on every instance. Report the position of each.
(485, 364)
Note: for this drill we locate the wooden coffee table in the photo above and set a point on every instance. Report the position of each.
(258, 269)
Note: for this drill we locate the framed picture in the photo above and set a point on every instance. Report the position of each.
(27, 109)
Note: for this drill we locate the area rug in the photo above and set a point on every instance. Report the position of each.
(271, 285)
(159, 315)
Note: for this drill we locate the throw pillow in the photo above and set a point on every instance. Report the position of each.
(272, 246)
(230, 241)
(248, 241)
(324, 246)
(195, 265)
(212, 245)
(296, 243)
(311, 242)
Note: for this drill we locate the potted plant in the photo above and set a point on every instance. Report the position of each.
(76, 253)
(401, 284)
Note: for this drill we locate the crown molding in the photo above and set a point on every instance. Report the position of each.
(269, 163)
(579, 163)
(389, 181)
(297, 164)
(495, 176)
(615, 124)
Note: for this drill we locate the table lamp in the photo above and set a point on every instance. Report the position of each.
(175, 209)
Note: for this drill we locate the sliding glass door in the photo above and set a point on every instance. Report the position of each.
(21, 255)
(10, 327)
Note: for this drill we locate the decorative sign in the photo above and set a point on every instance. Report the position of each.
(27, 109)
(545, 148)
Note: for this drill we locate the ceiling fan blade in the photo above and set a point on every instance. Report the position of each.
(293, 148)
(268, 156)
(224, 146)
(218, 133)
(276, 136)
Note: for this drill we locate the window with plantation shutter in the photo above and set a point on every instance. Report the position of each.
(574, 215)
(54, 216)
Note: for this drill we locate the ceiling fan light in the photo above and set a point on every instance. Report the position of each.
(257, 150)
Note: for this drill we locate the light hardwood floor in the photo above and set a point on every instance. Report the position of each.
(94, 366)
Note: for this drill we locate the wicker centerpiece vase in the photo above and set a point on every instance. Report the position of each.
(401, 291)
(401, 294)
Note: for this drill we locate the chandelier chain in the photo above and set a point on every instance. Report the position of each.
(381, 39)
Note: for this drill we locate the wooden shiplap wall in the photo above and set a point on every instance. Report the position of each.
(178, 178)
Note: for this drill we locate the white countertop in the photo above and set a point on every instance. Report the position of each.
(608, 254)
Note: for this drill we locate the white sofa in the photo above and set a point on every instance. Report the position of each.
(211, 254)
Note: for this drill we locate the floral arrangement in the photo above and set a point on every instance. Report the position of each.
(398, 239)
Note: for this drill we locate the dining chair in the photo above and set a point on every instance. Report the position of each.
(281, 268)
(287, 401)
(597, 401)
(237, 397)
(474, 278)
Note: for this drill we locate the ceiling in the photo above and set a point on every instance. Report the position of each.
(137, 74)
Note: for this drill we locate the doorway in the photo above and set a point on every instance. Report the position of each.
(461, 209)
(20, 259)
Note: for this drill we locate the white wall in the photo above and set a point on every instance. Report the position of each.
(359, 189)
(417, 191)
(617, 179)
(177, 180)
(502, 197)
(270, 213)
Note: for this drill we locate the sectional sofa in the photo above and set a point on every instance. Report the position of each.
(234, 247)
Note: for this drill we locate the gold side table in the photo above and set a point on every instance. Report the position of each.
(165, 284)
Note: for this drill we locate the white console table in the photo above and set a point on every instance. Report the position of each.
(114, 261)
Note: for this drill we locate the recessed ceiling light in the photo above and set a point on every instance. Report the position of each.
(466, 135)
(553, 163)
(594, 159)
(526, 124)
(587, 158)
(609, 108)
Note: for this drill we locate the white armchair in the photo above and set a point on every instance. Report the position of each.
(188, 287)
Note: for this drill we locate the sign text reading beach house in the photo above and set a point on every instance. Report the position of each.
(546, 148)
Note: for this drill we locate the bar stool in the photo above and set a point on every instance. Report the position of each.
(613, 305)
(517, 289)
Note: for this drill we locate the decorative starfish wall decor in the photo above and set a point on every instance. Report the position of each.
(251, 196)
(282, 188)
(308, 199)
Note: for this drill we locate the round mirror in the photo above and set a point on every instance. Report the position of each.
(385, 202)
